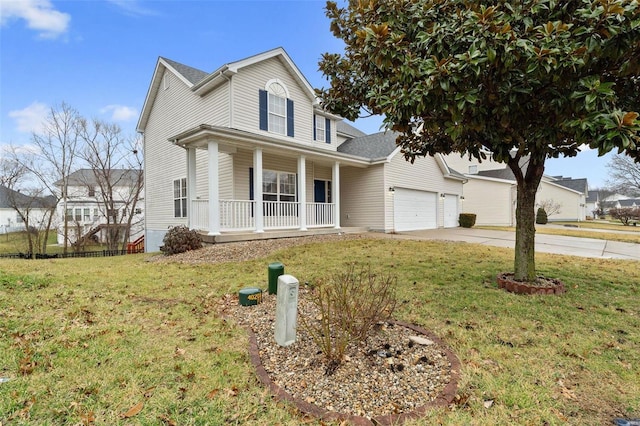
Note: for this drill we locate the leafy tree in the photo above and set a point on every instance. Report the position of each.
(624, 175)
(526, 80)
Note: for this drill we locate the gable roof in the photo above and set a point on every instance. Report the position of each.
(9, 198)
(579, 185)
(192, 75)
(347, 129)
(631, 202)
(376, 146)
(201, 82)
(86, 177)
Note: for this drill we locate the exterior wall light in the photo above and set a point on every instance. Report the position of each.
(392, 189)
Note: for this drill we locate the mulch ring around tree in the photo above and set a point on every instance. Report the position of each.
(542, 285)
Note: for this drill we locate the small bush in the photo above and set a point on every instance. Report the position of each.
(541, 217)
(467, 220)
(349, 305)
(180, 239)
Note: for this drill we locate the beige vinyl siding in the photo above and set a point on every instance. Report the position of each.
(173, 111)
(462, 163)
(570, 208)
(253, 78)
(492, 201)
(362, 197)
(425, 175)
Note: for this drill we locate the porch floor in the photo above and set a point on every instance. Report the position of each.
(229, 237)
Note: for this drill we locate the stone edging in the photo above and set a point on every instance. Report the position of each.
(506, 282)
(445, 398)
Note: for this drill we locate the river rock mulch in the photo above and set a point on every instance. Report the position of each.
(398, 373)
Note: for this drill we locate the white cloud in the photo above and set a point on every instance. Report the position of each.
(120, 112)
(40, 16)
(133, 8)
(32, 118)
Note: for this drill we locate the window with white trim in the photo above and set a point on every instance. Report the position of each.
(277, 108)
(180, 197)
(319, 131)
(278, 186)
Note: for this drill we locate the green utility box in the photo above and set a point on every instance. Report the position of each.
(275, 270)
(250, 296)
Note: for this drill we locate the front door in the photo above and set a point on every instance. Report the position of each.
(319, 191)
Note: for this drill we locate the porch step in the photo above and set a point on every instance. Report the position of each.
(268, 235)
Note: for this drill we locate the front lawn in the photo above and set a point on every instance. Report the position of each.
(127, 340)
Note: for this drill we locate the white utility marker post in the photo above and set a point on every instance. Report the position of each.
(286, 310)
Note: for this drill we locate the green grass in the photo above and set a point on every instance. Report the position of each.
(86, 340)
(16, 242)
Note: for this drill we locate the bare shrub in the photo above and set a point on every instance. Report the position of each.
(349, 305)
(180, 239)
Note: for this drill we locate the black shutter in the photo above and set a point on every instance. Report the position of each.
(327, 129)
(289, 117)
(251, 183)
(264, 112)
(314, 127)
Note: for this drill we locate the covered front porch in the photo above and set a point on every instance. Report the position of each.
(236, 186)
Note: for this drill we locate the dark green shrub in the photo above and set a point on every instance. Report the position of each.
(541, 216)
(180, 239)
(349, 305)
(467, 220)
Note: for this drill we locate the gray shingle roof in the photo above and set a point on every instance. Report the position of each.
(505, 174)
(120, 177)
(348, 130)
(579, 185)
(629, 202)
(9, 198)
(592, 197)
(194, 75)
(375, 146)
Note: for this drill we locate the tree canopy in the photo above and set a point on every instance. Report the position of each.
(526, 80)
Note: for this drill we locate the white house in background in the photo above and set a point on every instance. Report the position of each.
(490, 192)
(248, 150)
(86, 213)
(37, 208)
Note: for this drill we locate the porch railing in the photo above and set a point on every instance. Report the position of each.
(238, 215)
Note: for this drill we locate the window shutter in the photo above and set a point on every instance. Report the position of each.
(289, 117)
(314, 127)
(264, 112)
(251, 183)
(327, 129)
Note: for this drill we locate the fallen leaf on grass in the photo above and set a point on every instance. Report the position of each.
(213, 393)
(488, 403)
(133, 411)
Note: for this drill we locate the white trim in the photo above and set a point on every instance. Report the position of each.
(302, 192)
(214, 189)
(258, 212)
(278, 82)
(335, 195)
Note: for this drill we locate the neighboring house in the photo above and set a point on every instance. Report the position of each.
(593, 204)
(247, 148)
(491, 190)
(628, 203)
(37, 208)
(86, 213)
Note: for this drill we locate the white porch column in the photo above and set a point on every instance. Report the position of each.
(257, 190)
(302, 192)
(336, 193)
(192, 190)
(214, 189)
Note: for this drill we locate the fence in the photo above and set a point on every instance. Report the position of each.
(98, 253)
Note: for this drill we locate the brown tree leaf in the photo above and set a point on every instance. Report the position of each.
(213, 393)
(133, 411)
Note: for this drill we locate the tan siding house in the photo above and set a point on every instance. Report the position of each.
(247, 149)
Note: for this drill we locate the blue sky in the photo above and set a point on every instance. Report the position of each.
(99, 55)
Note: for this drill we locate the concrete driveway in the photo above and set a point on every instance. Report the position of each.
(573, 246)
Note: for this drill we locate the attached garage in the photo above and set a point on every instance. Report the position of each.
(450, 211)
(413, 210)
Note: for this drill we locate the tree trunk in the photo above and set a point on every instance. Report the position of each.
(525, 249)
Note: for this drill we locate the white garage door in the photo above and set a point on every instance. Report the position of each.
(450, 211)
(414, 210)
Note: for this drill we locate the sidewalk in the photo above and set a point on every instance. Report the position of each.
(545, 243)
